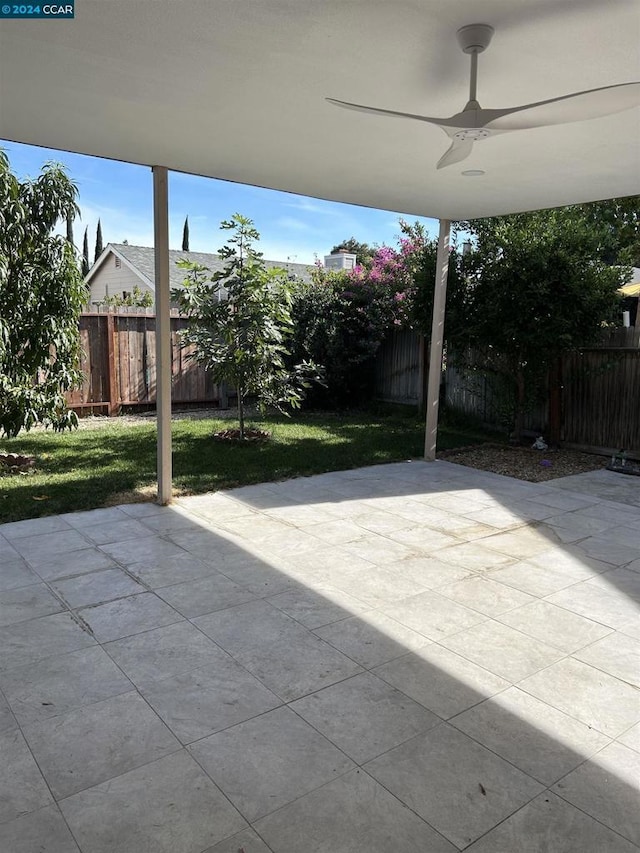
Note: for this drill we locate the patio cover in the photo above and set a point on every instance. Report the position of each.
(235, 89)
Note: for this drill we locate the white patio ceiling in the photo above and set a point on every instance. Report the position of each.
(235, 89)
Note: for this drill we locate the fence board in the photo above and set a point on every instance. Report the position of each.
(600, 399)
(126, 340)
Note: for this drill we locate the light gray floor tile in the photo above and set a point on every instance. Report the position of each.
(619, 580)
(433, 615)
(441, 680)
(162, 652)
(96, 587)
(456, 785)
(317, 606)
(7, 551)
(631, 737)
(168, 570)
(92, 517)
(617, 655)
(44, 830)
(570, 560)
(364, 716)
(7, 720)
(59, 684)
(353, 813)
(293, 666)
(551, 825)
(372, 638)
(540, 740)
(535, 579)
(31, 527)
(429, 572)
(247, 841)
(249, 626)
(590, 695)
(169, 519)
(485, 595)
(15, 573)
(422, 538)
(521, 543)
(378, 550)
(122, 530)
(22, 788)
(38, 548)
(606, 548)
(53, 566)
(473, 556)
(608, 788)
(555, 625)
(376, 586)
(267, 762)
(214, 592)
(146, 549)
(206, 700)
(127, 616)
(27, 602)
(508, 653)
(97, 742)
(28, 642)
(168, 806)
(608, 607)
(336, 532)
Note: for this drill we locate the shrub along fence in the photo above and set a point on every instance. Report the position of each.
(119, 364)
(599, 397)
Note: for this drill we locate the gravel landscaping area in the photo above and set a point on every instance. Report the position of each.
(525, 463)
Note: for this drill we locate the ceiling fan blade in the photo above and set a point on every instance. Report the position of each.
(442, 122)
(457, 151)
(579, 106)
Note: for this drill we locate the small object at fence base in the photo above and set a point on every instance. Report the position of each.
(621, 465)
(540, 444)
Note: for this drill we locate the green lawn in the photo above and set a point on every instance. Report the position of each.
(116, 463)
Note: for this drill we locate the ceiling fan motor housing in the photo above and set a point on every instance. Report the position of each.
(475, 38)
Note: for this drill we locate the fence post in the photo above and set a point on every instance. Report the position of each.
(112, 379)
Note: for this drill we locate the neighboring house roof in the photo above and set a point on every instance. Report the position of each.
(632, 288)
(141, 260)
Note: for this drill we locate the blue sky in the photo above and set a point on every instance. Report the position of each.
(292, 227)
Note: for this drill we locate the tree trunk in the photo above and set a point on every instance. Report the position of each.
(239, 392)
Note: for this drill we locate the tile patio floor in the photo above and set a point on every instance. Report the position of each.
(401, 658)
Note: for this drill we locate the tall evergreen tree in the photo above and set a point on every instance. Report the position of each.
(99, 246)
(85, 253)
(185, 236)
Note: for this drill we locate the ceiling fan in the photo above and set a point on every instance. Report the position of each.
(474, 123)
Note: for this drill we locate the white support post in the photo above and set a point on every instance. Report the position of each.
(163, 330)
(437, 341)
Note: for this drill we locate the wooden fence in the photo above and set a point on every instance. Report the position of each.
(599, 400)
(119, 364)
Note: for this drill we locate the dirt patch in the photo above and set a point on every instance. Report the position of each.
(524, 463)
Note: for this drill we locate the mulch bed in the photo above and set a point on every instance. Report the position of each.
(524, 463)
(15, 463)
(252, 435)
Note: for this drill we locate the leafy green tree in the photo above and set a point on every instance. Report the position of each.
(86, 266)
(363, 251)
(239, 322)
(99, 247)
(537, 288)
(185, 235)
(618, 220)
(41, 297)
